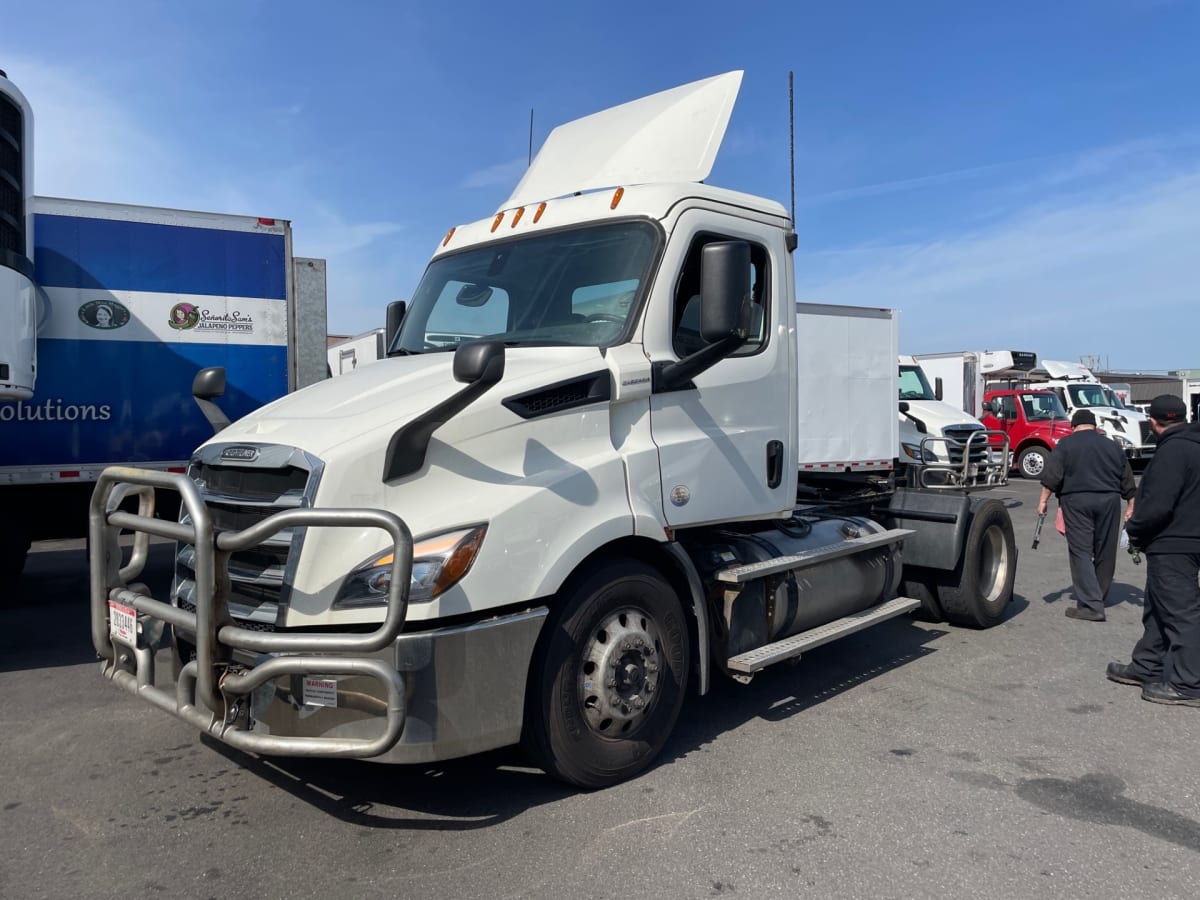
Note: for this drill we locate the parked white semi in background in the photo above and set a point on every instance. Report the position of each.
(605, 461)
(941, 444)
(1079, 389)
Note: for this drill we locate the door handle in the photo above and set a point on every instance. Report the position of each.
(774, 463)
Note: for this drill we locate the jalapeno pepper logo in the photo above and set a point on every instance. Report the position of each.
(183, 316)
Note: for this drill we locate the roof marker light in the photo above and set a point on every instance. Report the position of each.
(617, 195)
(449, 234)
(541, 209)
(496, 222)
(517, 217)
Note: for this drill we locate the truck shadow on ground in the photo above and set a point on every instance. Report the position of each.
(491, 788)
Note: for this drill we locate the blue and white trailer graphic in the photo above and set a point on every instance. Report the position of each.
(132, 303)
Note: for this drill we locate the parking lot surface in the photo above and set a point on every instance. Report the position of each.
(909, 760)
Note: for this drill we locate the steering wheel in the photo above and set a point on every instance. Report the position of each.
(605, 317)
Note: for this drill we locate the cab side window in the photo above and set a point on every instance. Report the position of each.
(685, 337)
(1008, 407)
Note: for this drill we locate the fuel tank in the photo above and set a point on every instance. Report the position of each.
(778, 606)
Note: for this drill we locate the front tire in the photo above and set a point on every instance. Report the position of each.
(609, 675)
(979, 589)
(1032, 461)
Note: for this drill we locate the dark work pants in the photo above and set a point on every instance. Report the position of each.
(1170, 647)
(1093, 523)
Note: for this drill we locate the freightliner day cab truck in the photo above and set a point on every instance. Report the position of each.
(601, 466)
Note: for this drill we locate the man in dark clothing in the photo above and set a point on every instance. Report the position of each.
(1090, 475)
(1166, 527)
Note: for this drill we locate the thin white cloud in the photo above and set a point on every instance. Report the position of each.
(505, 174)
(1113, 273)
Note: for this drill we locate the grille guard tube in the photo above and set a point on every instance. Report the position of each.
(209, 680)
(958, 477)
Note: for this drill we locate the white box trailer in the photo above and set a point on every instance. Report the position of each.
(348, 355)
(846, 370)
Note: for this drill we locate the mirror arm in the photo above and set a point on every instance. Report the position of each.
(677, 376)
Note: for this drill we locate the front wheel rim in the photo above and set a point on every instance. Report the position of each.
(1033, 464)
(620, 671)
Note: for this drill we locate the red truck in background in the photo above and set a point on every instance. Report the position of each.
(1033, 420)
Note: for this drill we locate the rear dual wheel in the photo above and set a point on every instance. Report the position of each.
(979, 589)
(609, 675)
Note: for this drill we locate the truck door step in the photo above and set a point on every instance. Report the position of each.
(758, 659)
(740, 574)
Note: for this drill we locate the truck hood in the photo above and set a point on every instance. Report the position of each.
(390, 393)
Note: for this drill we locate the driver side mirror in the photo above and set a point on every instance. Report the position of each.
(724, 290)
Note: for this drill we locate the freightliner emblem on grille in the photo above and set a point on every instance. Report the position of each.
(242, 454)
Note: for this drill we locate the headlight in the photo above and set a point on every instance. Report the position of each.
(914, 453)
(439, 563)
(1123, 443)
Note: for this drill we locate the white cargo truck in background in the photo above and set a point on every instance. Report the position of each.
(107, 314)
(962, 377)
(606, 460)
(346, 356)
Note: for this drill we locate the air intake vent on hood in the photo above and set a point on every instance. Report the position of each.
(582, 391)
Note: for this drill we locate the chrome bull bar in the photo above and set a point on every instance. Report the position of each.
(956, 476)
(212, 691)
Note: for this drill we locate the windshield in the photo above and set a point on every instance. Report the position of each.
(1114, 399)
(1089, 395)
(914, 385)
(1042, 407)
(573, 287)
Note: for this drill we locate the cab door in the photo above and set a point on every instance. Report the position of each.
(725, 442)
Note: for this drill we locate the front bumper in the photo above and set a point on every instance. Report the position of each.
(383, 695)
(464, 693)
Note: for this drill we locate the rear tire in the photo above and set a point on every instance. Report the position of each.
(609, 675)
(979, 589)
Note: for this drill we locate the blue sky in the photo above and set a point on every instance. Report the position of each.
(1019, 175)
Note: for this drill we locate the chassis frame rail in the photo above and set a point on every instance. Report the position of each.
(212, 691)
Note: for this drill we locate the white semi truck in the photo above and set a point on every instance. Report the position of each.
(941, 445)
(603, 464)
(1079, 388)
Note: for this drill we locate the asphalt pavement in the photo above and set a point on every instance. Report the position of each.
(909, 760)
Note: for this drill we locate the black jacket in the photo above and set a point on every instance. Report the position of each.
(1086, 461)
(1166, 515)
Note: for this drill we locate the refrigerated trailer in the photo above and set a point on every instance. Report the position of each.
(134, 302)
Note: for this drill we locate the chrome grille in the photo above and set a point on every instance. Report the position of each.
(1148, 435)
(957, 437)
(239, 495)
